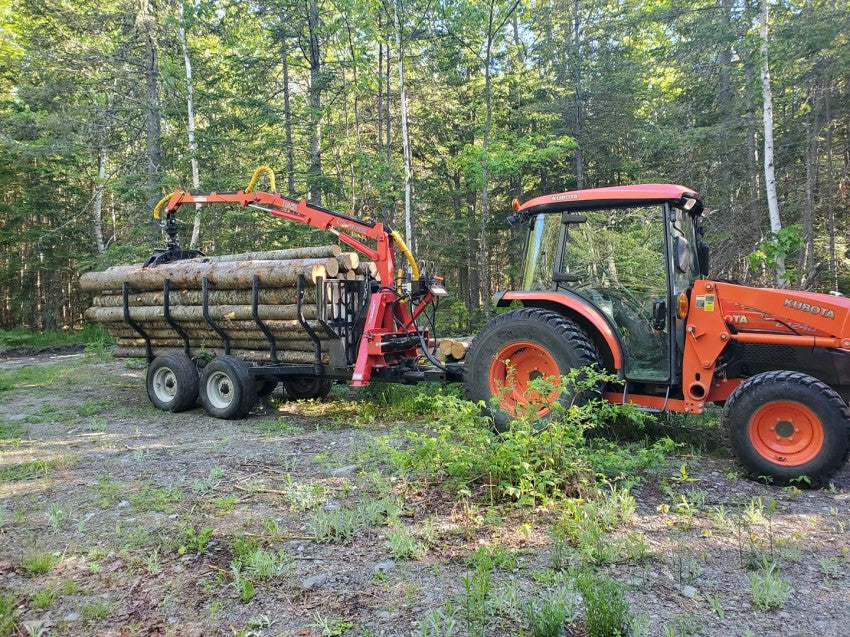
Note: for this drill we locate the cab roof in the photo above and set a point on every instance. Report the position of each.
(612, 197)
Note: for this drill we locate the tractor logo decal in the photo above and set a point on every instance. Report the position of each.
(817, 310)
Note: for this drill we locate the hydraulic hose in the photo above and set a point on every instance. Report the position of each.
(260, 170)
(158, 208)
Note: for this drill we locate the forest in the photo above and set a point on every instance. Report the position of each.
(430, 115)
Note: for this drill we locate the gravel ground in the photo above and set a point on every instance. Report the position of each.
(103, 500)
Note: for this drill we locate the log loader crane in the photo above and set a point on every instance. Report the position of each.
(613, 277)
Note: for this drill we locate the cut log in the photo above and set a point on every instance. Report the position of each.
(459, 347)
(208, 334)
(348, 261)
(238, 274)
(258, 344)
(196, 313)
(445, 346)
(277, 296)
(244, 354)
(228, 326)
(310, 252)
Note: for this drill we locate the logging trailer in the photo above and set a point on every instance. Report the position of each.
(613, 277)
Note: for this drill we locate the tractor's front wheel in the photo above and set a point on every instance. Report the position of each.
(518, 347)
(787, 426)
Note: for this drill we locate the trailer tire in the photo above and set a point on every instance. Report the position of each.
(172, 382)
(540, 343)
(228, 390)
(787, 426)
(307, 388)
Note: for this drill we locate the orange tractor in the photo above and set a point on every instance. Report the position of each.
(617, 277)
(613, 277)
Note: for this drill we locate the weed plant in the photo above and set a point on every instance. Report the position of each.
(531, 463)
(605, 605)
(768, 588)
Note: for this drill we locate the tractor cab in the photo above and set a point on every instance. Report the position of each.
(626, 254)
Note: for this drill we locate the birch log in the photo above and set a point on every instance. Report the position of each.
(244, 354)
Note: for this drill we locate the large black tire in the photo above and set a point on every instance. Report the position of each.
(787, 426)
(228, 389)
(527, 337)
(172, 382)
(307, 388)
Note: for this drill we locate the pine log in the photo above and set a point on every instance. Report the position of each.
(445, 346)
(367, 267)
(238, 274)
(459, 347)
(263, 345)
(208, 334)
(275, 296)
(246, 355)
(227, 326)
(348, 261)
(310, 252)
(196, 313)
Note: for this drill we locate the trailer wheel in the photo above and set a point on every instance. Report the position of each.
(172, 382)
(228, 389)
(520, 346)
(788, 426)
(307, 388)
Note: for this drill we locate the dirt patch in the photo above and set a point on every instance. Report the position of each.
(116, 518)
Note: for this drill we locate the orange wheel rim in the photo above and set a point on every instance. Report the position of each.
(513, 367)
(786, 433)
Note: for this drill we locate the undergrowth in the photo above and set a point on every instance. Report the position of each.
(532, 462)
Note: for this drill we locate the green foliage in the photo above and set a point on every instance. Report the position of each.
(39, 562)
(150, 498)
(785, 243)
(20, 337)
(768, 588)
(8, 614)
(527, 464)
(553, 610)
(404, 544)
(195, 539)
(605, 605)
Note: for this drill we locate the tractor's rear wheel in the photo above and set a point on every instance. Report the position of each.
(307, 388)
(789, 427)
(228, 389)
(172, 382)
(518, 347)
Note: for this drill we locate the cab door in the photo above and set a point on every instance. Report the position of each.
(619, 261)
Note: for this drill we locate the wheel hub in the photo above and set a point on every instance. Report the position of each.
(786, 432)
(511, 371)
(164, 384)
(220, 390)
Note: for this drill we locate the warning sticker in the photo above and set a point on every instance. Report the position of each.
(705, 302)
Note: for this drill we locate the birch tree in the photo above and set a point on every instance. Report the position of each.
(190, 117)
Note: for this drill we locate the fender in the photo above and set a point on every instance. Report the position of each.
(574, 304)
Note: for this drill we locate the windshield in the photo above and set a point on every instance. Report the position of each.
(540, 252)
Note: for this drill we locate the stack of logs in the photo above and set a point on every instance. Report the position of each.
(454, 349)
(230, 302)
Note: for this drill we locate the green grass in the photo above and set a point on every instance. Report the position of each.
(36, 376)
(97, 610)
(34, 468)
(11, 430)
(90, 334)
(36, 564)
(8, 615)
(150, 498)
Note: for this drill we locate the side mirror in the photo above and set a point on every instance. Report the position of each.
(659, 314)
(568, 218)
(703, 251)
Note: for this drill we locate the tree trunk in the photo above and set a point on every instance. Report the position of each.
(98, 198)
(315, 94)
(579, 111)
(190, 118)
(405, 137)
(767, 114)
(830, 180)
(146, 23)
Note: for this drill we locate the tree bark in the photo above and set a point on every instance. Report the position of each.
(767, 116)
(146, 24)
(221, 275)
(190, 119)
(579, 110)
(287, 114)
(405, 137)
(315, 95)
(256, 356)
(97, 210)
